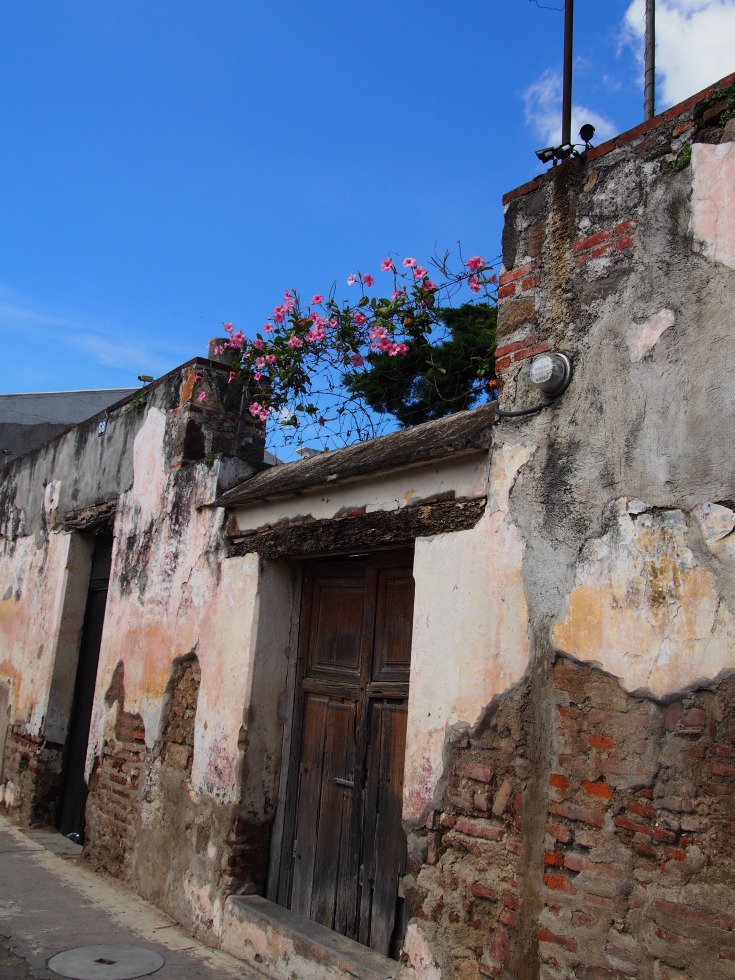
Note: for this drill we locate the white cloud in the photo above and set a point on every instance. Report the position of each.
(100, 342)
(695, 44)
(543, 99)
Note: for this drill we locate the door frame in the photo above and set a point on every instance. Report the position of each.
(280, 865)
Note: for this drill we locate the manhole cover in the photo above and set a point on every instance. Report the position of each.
(106, 962)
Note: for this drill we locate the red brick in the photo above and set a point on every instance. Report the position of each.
(681, 127)
(555, 858)
(726, 750)
(530, 282)
(558, 883)
(568, 712)
(478, 772)
(479, 828)
(680, 911)
(566, 942)
(645, 850)
(559, 832)
(510, 348)
(521, 355)
(623, 242)
(585, 243)
(505, 291)
(640, 130)
(598, 741)
(523, 190)
(635, 828)
(483, 891)
(502, 364)
(513, 275)
(697, 752)
(673, 938)
(601, 250)
(511, 901)
(559, 781)
(719, 769)
(592, 817)
(694, 718)
(672, 715)
(508, 917)
(582, 919)
(641, 810)
(600, 790)
(623, 227)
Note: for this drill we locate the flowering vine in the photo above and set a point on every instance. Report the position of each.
(302, 369)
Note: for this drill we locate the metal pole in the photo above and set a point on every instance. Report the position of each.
(649, 96)
(566, 108)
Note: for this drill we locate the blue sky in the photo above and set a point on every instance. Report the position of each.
(169, 166)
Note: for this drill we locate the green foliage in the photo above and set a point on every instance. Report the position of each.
(682, 161)
(437, 378)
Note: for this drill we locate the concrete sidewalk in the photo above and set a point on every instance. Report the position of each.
(50, 901)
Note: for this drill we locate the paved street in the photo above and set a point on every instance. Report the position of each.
(50, 902)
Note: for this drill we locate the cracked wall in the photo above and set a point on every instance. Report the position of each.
(580, 824)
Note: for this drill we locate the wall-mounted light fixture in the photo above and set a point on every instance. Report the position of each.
(551, 374)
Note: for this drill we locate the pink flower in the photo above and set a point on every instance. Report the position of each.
(288, 304)
(397, 349)
(219, 349)
(229, 327)
(419, 272)
(396, 294)
(359, 318)
(231, 377)
(270, 358)
(386, 265)
(316, 299)
(333, 322)
(278, 314)
(257, 376)
(255, 409)
(268, 328)
(475, 263)
(295, 342)
(201, 396)
(368, 280)
(263, 415)
(260, 362)
(429, 286)
(474, 284)
(237, 340)
(357, 360)
(258, 344)
(351, 280)
(409, 263)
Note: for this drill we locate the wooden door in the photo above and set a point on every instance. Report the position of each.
(348, 847)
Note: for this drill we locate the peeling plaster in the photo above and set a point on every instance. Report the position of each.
(715, 520)
(470, 629)
(644, 608)
(713, 201)
(644, 337)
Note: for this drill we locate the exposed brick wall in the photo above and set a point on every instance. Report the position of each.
(178, 734)
(640, 832)
(635, 879)
(469, 889)
(114, 797)
(32, 770)
(565, 238)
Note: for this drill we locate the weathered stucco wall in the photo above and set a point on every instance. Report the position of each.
(570, 754)
(581, 830)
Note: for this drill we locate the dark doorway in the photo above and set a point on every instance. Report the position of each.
(346, 848)
(73, 797)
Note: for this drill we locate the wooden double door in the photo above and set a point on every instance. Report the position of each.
(346, 848)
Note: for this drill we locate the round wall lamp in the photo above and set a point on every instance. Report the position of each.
(551, 373)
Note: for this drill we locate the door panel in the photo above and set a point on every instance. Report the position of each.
(348, 845)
